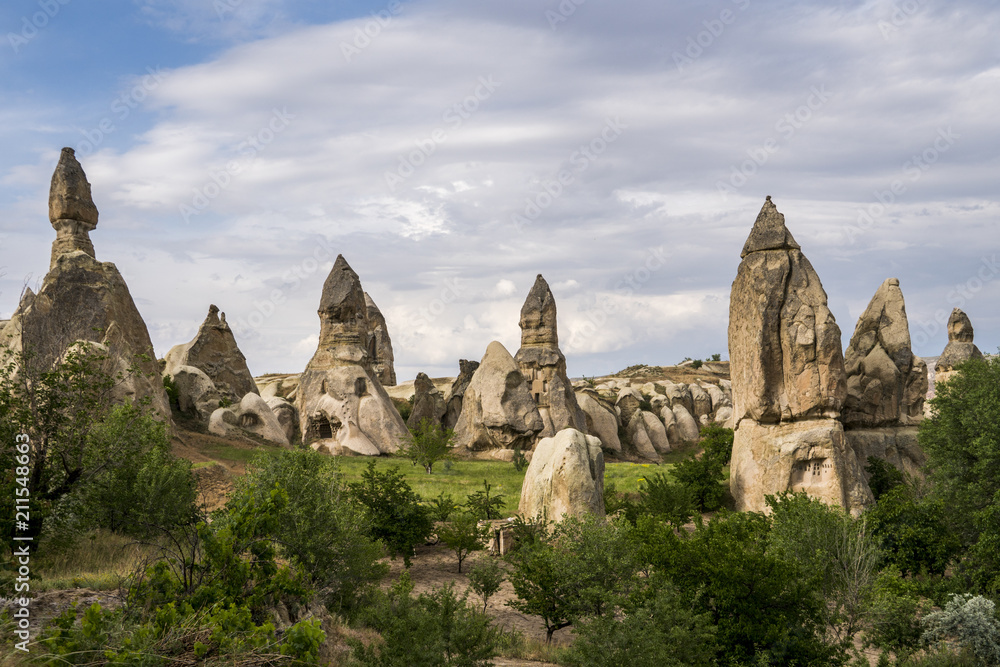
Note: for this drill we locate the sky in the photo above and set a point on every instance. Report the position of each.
(452, 151)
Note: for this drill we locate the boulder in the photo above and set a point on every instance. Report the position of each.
(287, 414)
(601, 419)
(565, 478)
(339, 387)
(656, 431)
(214, 351)
(724, 416)
(196, 393)
(284, 386)
(250, 415)
(86, 301)
(886, 382)
(380, 345)
(897, 445)
(628, 403)
(639, 438)
(670, 424)
(498, 411)
(687, 428)
(959, 348)
(453, 399)
(680, 394)
(700, 400)
(718, 396)
(543, 365)
(427, 403)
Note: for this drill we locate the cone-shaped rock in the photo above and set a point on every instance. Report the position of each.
(498, 411)
(960, 346)
(543, 365)
(338, 387)
(453, 400)
(214, 351)
(428, 403)
(380, 345)
(788, 377)
(886, 382)
(72, 211)
(83, 300)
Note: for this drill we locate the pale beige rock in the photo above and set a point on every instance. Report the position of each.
(657, 432)
(701, 401)
(670, 424)
(72, 211)
(196, 392)
(565, 478)
(886, 382)
(638, 436)
(543, 365)
(339, 386)
(680, 394)
(453, 398)
(784, 344)
(959, 348)
(810, 456)
(724, 416)
(215, 352)
(498, 411)
(601, 420)
(287, 414)
(687, 427)
(627, 404)
(284, 386)
(251, 415)
(428, 403)
(718, 396)
(380, 345)
(897, 444)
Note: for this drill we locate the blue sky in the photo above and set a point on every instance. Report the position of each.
(453, 150)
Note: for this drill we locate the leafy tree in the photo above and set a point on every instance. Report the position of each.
(442, 507)
(428, 444)
(883, 476)
(971, 622)
(483, 506)
(962, 442)
(485, 578)
(321, 530)
(892, 619)
(702, 475)
(463, 536)
(431, 630)
(395, 514)
(662, 497)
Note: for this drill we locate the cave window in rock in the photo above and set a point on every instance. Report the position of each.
(322, 428)
(249, 420)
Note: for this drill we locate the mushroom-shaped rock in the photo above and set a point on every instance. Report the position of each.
(380, 345)
(565, 478)
(498, 411)
(215, 352)
(72, 211)
(428, 404)
(959, 348)
(543, 365)
(251, 415)
(339, 386)
(886, 382)
(601, 420)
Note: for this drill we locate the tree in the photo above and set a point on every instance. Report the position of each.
(483, 506)
(662, 497)
(463, 536)
(962, 442)
(702, 475)
(971, 622)
(395, 514)
(485, 578)
(428, 444)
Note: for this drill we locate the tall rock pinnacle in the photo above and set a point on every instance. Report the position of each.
(71, 207)
(538, 316)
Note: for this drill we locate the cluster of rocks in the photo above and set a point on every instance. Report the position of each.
(807, 416)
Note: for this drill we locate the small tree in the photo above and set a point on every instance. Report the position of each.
(482, 506)
(485, 578)
(702, 476)
(662, 497)
(394, 510)
(463, 536)
(428, 444)
(972, 622)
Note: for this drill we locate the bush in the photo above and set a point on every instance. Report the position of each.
(395, 514)
(485, 578)
(703, 476)
(428, 444)
(482, 506)
(661, 497)
(971, 622)
(463, 536)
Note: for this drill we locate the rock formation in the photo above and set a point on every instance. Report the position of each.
(214, 351)
(543, 365)
(959, 348)
(453, 399)
(379, 345)
(788, 377)
(83, 300)
(565, 477)
(287, 414)
(251, 415)
(427, 403)
(601, 420)
(196, 393)
(498, 411)
(339, 387)
(886, 382)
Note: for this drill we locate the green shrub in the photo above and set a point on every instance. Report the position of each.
(483, 506)
(463, 536)
(969, 621)
(485, 578)
(395, 514)
(702, 476)
(428, 444)
(662, 497)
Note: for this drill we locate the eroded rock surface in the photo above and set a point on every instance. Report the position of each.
(215, 352)
(959, 348)
(380, 345)
(428, 403)
(565, 477)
